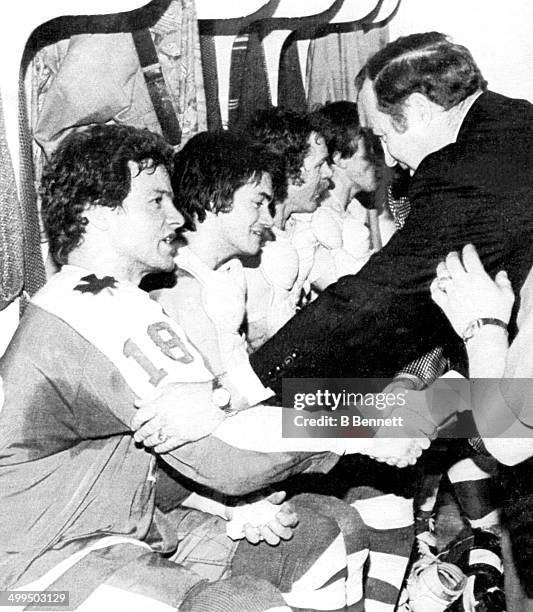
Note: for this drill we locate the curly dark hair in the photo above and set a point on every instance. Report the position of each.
(90, 167)
(339, 124)
(285, 132)
(213, 165)
(340, 127)
(427, 63)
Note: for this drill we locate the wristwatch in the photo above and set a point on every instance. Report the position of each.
(474, 326)
(221, 396)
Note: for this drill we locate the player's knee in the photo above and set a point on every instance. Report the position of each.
(348, 519)
(316, 531)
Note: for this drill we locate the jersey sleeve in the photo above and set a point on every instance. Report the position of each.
(228, 469)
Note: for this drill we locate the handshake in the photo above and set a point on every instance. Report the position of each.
(407, 432)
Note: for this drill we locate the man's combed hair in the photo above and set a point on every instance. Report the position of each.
(287, 133)
(428, 63)
(212, 166)
(90, 168)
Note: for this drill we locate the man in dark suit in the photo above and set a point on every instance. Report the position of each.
(470, 152)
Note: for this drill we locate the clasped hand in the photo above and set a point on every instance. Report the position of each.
(269, 519)
(181, 413)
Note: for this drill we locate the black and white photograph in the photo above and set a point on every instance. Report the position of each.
(266, 305)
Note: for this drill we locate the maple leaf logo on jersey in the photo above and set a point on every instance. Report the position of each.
(93, 284)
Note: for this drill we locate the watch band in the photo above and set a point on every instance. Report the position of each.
(474, 326)
(221, 397)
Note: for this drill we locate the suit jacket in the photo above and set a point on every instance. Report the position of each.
(478, 190)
